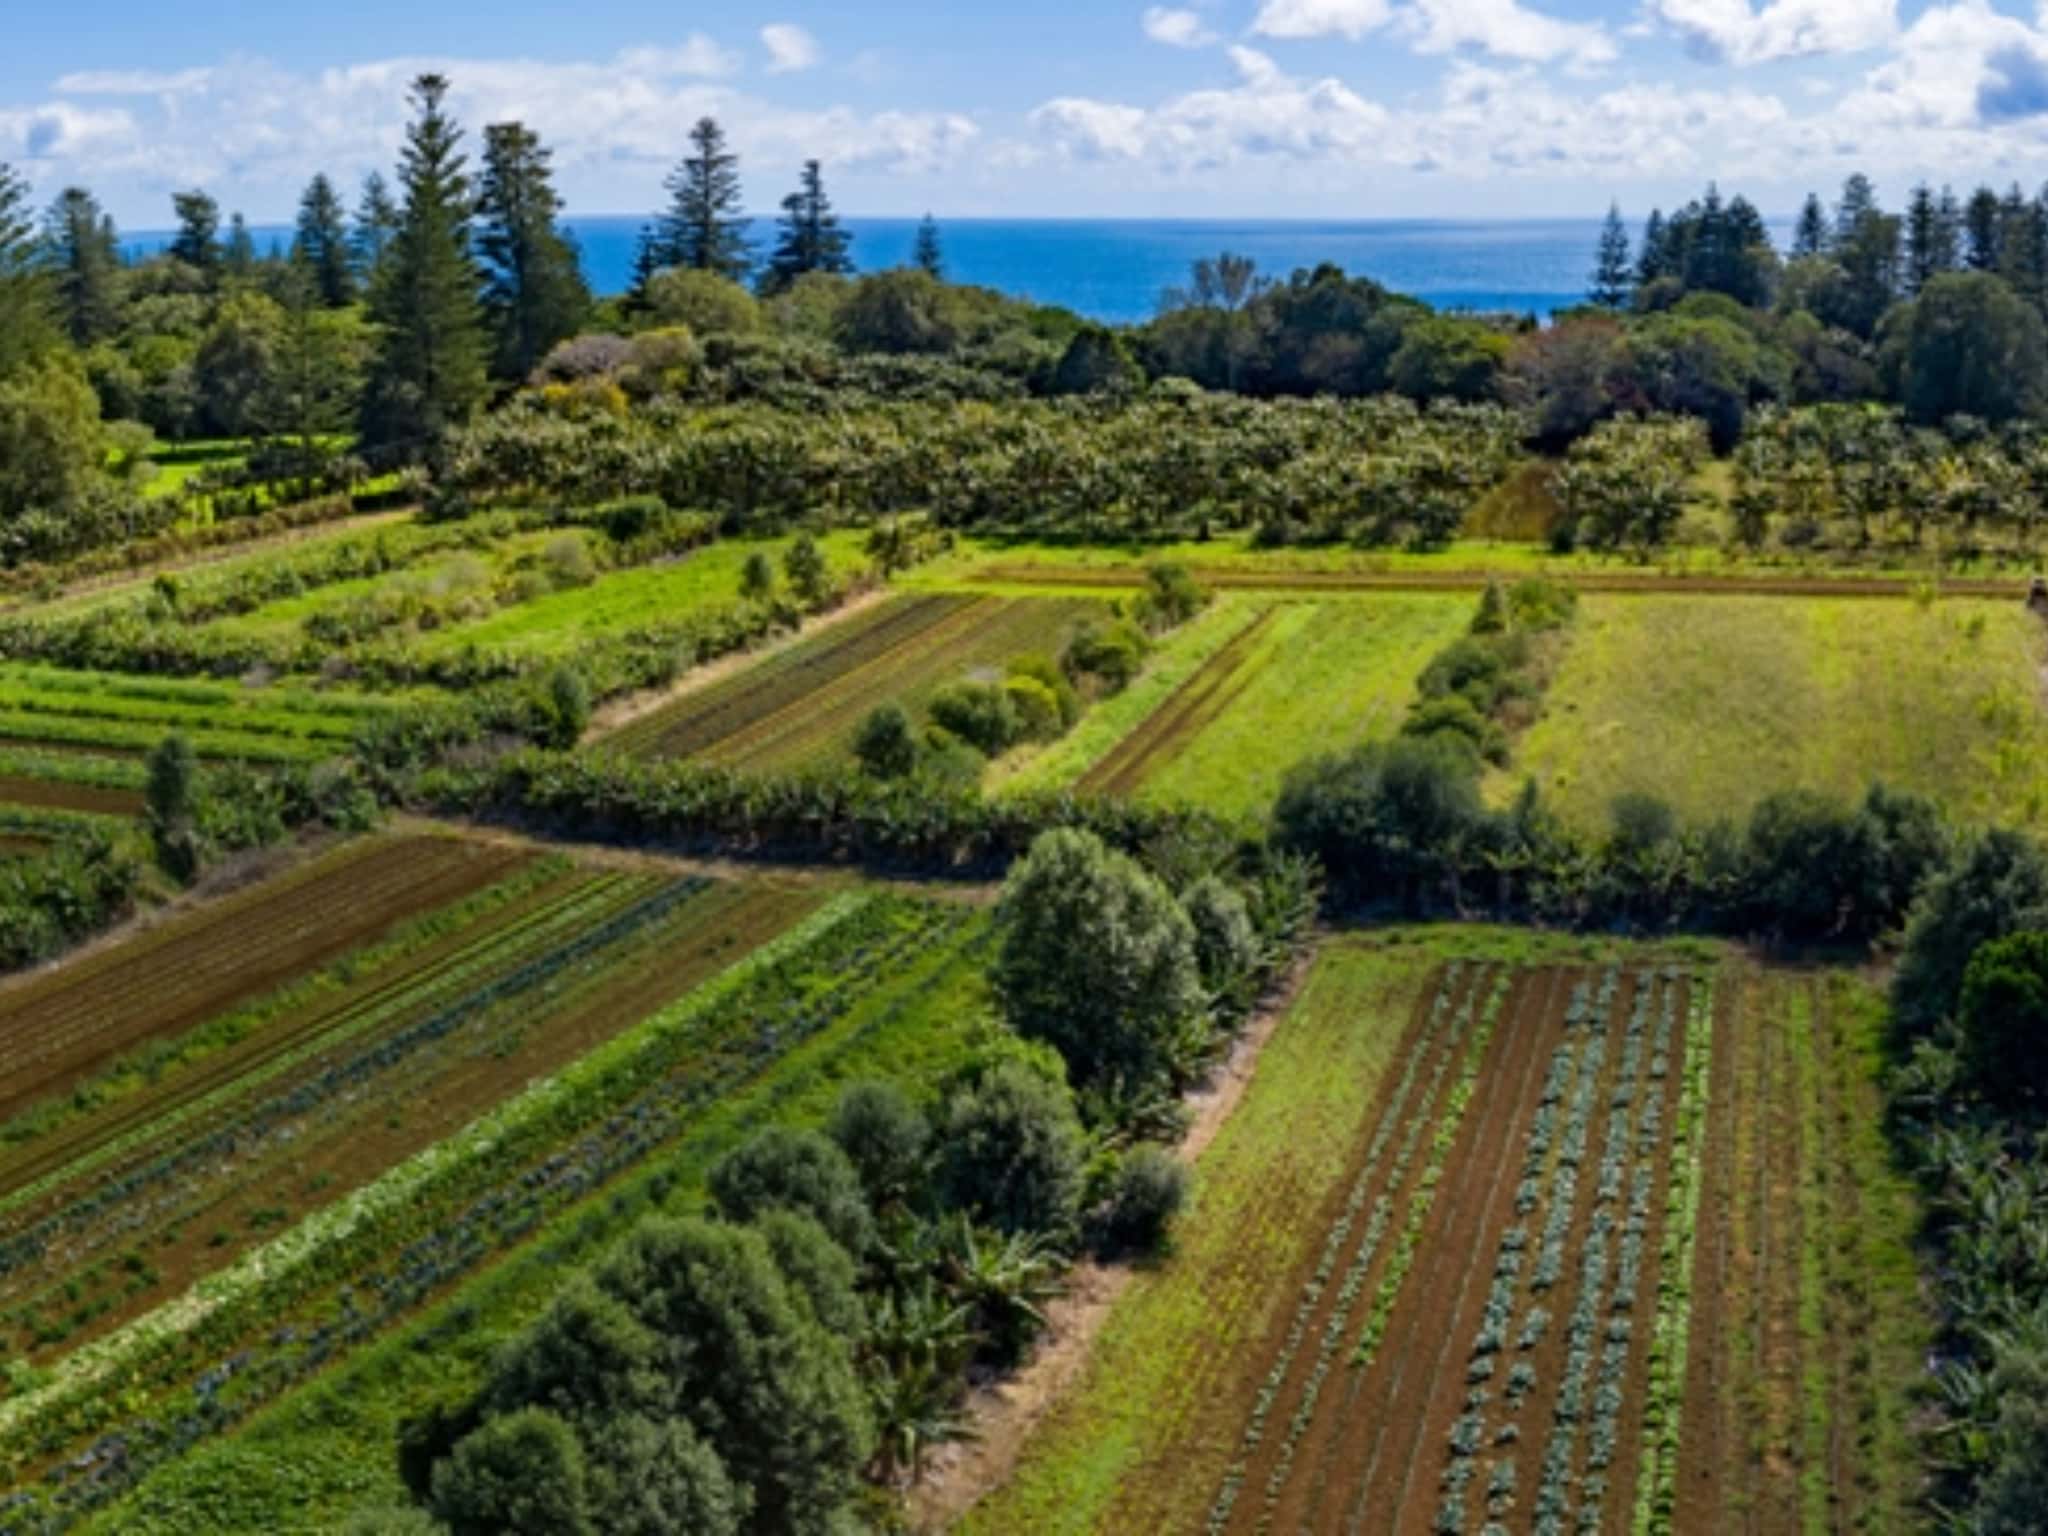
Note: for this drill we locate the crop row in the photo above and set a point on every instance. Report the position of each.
(287, 1309)
(238, 1121)
(1657, 1478)
(1436, 1043)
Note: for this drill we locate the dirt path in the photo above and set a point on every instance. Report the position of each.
(1005, 1414)
(1251, 578)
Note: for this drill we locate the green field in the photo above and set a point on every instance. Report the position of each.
(1709, 704)
(1316, 677)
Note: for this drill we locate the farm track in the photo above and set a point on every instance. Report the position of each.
(63, 1025)
(62, 795)
(700, 719)
(1252, 579)
(1196, 703)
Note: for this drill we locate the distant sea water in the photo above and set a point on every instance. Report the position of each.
(1115, 269)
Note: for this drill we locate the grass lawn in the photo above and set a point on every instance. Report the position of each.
(1321, 676)
(1710, 703)
(622, 600)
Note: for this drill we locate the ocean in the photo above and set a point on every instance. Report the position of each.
(1115, 269)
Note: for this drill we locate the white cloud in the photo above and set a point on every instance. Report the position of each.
(1177, 28)
(133, 82)
(1321, 18)
(1729, 30)
(695, 55)
(790, 48)
(1505, 29)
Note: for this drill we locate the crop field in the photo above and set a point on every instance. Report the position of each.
(1708, 704)
(802, 704)
(376, 1187)
(52, 710)
(1298, 679)
(1523, 1242)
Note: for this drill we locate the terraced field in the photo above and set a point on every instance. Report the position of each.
(1546, 1283)
(50, 709)
(250, 1141)
(802, 704)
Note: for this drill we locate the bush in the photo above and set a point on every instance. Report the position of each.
(1098, 960)
(885, 744)
(568, 707)
(1171, 596)
(171, 800)
(1036, 708)
(1112, 654)
(885, 1137)
(804, 565)
(1011, 1152)
(1044, 669)
(519, 1475)
(1226, 943)
(981, 714)
(1149, 1188)
(568, 561)
(1997, 886)
(2002, 1020)
(795, 1170)
(1382, 819)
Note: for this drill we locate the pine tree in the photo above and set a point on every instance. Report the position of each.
(83, 256)
(1981, 219)
(429, 372)
(1923, 238)
(308, 392)
(533, 287)
(238, 260)
(322, 244)
(197, 242)
(1653, 260)
(1858, 203)
(376, 225)
(27, 313)
(1810, 234)
(703, 228)
(811, 239)
(1612, 278)
(926, 255)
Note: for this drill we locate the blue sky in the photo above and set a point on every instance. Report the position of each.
(1207, 109)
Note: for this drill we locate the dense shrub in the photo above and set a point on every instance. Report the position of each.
(1997, 886)
(1146, 1193)
(885, 1137)
(1011, 1152)
(784, 1169)
(2002, 1019)
(980, 714)
(885, 744)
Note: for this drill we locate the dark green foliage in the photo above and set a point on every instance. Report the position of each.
(1111, 654)
(586, 1357)
(1046, 672)
(1643, 824)
(1011, 1152)
(885, 743)
(172, 803)
(83, 259)
(1098, 960)
(925, 255)
(658, 1477)
(2015, 1491)
(784, 1169)
(322, 243)
(1147, 1191)
(27, 306)
(74, 889)
(810, 239)
(1613, 271)
(1171, 596)
(1997, 885)
(1968, 346)
(1448, 357)
(885, 1137)
(703, 229)
(1385, 819)
(820, 1270)
(197, 242)
(1227, 948)
(1096, 362)
(904, 312)
(2002, 1020)
(534, 291)
(804, 565)
(980, 714)
(757, 577)
(376, 227)
(519, 1475)
(430, 370)
(568, 706)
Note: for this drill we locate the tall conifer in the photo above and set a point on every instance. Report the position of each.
(322, 244)
(1611, 271)
(533, 286)
(704, 228)
(82, 254)
(811, 239)
(429, 372)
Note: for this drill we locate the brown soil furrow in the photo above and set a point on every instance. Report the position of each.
(61, 1032)
(82, 1137)
(1443, 1382)
(1193, 705)
(1781, 1237)
(697, 720)
(1302, 1331)
(1372, 1414)
(1251, 578)
(64, 795)
(345, 1143)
